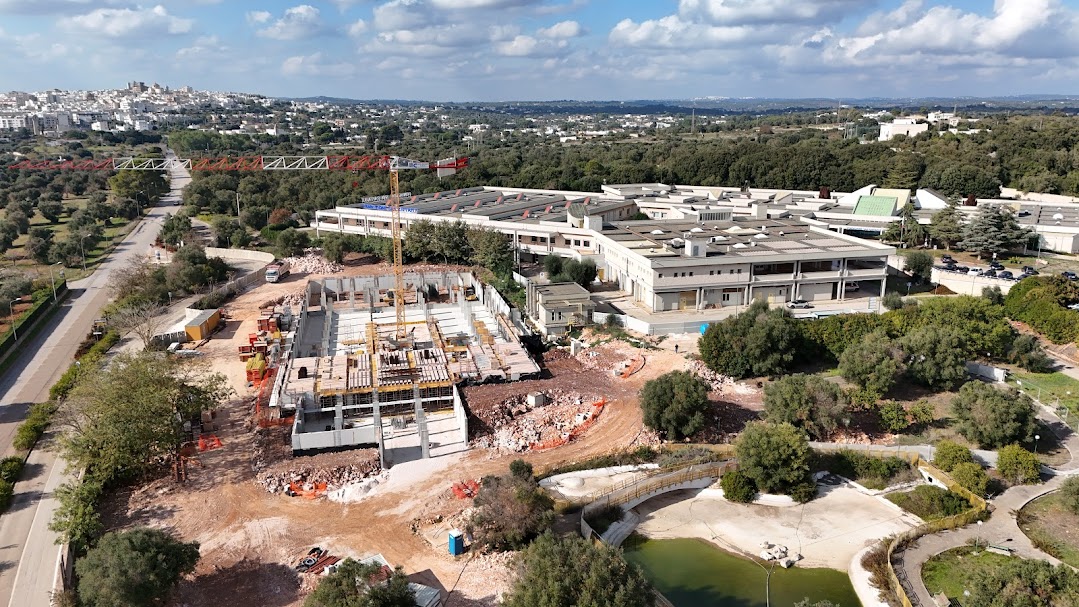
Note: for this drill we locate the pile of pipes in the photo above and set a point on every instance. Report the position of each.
(779, 554)
(312, 262)
(304, 471)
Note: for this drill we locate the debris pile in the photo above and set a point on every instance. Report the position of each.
(327, 471)
(519, 426)
(721, 383)
(312, 262)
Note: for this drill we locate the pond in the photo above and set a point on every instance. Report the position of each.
(692, 573)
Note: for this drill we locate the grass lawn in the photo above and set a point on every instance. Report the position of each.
(1052, 527)
(1050, 388)
(950, 572)
(16, 256)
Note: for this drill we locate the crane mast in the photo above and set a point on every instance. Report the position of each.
(398, 253)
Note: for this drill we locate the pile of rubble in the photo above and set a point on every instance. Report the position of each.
(519, 426)
(721, 383)
(312, 262)
(334, 469)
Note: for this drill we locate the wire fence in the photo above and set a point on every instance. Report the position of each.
(1060, 395)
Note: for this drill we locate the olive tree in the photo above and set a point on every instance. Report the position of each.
(774, 456)
(993, 417)
(809, 402)
(675, 404)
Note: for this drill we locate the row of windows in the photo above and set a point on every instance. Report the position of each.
(710, 273)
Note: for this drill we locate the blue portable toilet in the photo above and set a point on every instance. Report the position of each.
(457, 542)
(704, 327)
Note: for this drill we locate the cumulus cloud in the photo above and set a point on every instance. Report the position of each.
(403, 14)
(562, 29)
(257, 17)
(741, 12)
(316, 64)
(297, 23)
(358, 28)
(203, 46)
(126, 22)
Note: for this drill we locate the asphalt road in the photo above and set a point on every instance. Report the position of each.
(28, 552)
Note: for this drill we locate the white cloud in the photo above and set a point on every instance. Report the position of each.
(202, 47)
(256, 17)
(484, 4)
(562, 29)
(316, 65)
(358, 28)
(741, 12)
(125, 22)
(403, 14)
(298, 22)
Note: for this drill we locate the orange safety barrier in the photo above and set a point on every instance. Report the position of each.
(262, 400)
(208, 442)
(298, 490)
(465, 489)
(634, 366)
(597, 408)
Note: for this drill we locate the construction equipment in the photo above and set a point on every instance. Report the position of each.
(393, 164)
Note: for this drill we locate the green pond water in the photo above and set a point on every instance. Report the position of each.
(692, 573)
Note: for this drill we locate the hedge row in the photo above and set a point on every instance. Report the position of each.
(10, 469)
(31, 429)
(1038, 301)
(42, 303)
(66, 383)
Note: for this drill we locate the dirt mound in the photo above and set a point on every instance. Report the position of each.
(518, 426)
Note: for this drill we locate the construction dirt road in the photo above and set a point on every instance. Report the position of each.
(250, 538)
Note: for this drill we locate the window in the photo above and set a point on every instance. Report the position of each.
(576, 242)
(587, 244)
(533, 239)
(726, 297)
(691, 273)
(739, 270)
(661, 275)
(711, 272)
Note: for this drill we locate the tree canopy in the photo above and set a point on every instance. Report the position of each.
(872, 364)
(675, 404)
(809, 402)
(123, 419)
(1024, 583)
(994, 230)
(936, 356)
(570, 571)
(356, 584)
(136, 568)
(511, 510)
(993, 417)
(774, 456)
(760, 341)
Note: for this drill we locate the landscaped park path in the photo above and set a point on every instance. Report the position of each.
(28, 552)
(1001, 529)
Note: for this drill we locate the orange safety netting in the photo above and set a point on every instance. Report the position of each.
(208, 442)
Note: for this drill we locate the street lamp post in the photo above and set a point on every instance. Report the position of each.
(139, 204)
(1037, 437)
(11, 310)
(52, 278)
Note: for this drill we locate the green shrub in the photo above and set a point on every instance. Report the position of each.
(804, 492)
(1018, 465)
(7, 491)
(893, 301)
(31, 429)
(738, 487)
(947, 455)
(971, 477)
(10, 468)
(872, 472)
(931, 502)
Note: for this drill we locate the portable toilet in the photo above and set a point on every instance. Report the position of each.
(704, 327)
(457, 542)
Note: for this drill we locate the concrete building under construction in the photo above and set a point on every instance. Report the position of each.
(351, 382)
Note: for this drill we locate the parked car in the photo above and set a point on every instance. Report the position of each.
(851, 287)
(996, 265)
(1006, 275)
(1069, 275)
(1029, 271)
(799, 303)
(962, 269)
(1022, 276)
(975, 271)
(947, 259)
(990, 273)
(1074, 306)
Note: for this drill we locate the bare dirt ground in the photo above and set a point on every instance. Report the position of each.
(250, 539)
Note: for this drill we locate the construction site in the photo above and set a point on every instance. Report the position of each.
(348, 376)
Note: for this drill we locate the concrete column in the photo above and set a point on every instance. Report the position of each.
(421, 424)
(883, 286)
(377, 413)
(338, 419)
(700, 297)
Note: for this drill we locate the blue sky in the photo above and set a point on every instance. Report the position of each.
(460, 50)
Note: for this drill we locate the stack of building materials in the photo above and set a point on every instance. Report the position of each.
(256, 367)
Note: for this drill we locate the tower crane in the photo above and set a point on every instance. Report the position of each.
(393, 164)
